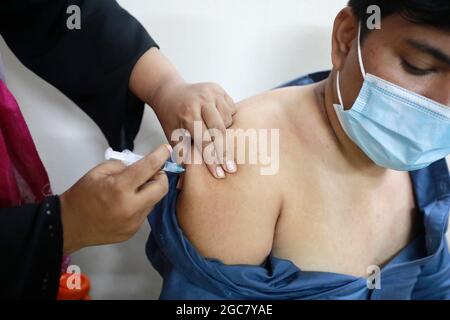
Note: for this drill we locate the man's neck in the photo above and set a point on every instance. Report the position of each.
(326, 94)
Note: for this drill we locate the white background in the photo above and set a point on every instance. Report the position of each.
(247, 46)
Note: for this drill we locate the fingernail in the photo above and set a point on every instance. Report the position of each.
(231, 166)
(220, 172)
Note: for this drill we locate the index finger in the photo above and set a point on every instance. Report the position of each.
(231, 104)
(143, 170)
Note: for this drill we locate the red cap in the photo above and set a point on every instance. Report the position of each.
(65, 293)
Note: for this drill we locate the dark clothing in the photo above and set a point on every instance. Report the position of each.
(92, 67)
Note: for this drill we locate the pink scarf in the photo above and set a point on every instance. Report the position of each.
(23, 178)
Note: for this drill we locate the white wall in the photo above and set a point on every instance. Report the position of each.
(245, 45)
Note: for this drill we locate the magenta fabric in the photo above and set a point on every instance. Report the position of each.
(23, 178)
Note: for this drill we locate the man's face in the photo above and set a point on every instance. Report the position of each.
(413, 56)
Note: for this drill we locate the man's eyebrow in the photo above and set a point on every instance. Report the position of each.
(435, 52)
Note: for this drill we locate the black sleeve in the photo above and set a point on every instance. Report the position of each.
(91, 66)
(31, 244)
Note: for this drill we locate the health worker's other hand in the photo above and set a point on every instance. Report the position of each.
(179, 105)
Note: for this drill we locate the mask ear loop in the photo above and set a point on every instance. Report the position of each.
(361, 66)
(338, 88)
(360, 60)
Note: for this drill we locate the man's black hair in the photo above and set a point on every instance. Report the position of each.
(434, 13)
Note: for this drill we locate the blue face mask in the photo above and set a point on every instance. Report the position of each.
(396, 128)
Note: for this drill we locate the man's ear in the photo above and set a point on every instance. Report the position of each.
(345, 32)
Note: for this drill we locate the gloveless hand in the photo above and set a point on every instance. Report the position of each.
(110, 203)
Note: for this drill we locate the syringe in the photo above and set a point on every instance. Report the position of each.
(128, 158)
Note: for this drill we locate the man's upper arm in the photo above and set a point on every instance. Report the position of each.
(231, 219)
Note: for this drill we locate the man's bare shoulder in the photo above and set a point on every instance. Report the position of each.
(234, 219)
(271, 109)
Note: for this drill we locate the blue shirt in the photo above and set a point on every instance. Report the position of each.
(421, 270)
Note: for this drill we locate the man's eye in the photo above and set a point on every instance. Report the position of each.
(415, 70)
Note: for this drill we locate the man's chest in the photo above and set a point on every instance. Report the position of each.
(345, 225)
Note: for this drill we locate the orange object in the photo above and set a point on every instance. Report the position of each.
(66, 293)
